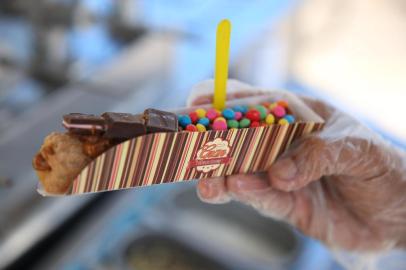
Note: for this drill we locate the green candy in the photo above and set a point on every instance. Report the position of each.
(232, 123)
(262, 111)
(244, 123)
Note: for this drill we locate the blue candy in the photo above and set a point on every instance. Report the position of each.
(204, 121)
(184, 120)
(228, 114)
(290, 118)
(239, 108)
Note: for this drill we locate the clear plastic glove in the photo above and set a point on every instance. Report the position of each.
(344, 185)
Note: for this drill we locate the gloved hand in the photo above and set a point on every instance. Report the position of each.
(343, 185)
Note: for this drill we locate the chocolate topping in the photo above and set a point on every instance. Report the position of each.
(84, 124)
(117, 127)
(123, 125)
(160, 121)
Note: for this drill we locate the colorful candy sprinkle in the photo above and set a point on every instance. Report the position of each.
(266, 104)
(184, 120)
(279, 111)
(204, 121)
(240, 116)
(262, 111)
(253, 115)
(212, 114)
(201, 113)
(228, 114)
(200, 128)
(283, 103)
(191, 127)
(219, 125)
(270, 119)
(272, 105)
(245, 122)
(240, 108)
(232, 123)
(193, 116)
(290, 118)
(220, 119)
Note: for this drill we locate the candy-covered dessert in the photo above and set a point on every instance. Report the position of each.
(120, 150)
(64, 155)
(240, 116)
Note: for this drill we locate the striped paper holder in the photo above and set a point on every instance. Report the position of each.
(173, 157)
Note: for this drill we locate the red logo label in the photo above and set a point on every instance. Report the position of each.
(211, 155)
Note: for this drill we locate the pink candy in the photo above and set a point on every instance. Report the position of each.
(219, 125)
(212, 114)
(238, 115)
(279, 111)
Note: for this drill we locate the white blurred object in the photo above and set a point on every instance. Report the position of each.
(351, 51)
(263, 62)
(354, 51)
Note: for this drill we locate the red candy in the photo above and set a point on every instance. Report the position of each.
(253, 115)
(194, 117)
(255, 124)
(191, 127)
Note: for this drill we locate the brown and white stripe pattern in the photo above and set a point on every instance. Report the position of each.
(164, 157)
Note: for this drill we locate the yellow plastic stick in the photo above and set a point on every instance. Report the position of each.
(221, 68)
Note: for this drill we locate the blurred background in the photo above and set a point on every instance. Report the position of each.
(93, 56)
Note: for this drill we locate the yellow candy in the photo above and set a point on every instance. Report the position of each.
(283, 121)
(273, 105)
(201, 113)
(270, 119)
(200, 128)
(220, 119)
(218, 112)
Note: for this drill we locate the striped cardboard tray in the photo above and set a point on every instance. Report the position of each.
(172, 157)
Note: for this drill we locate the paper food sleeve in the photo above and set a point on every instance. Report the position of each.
(179, 156)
